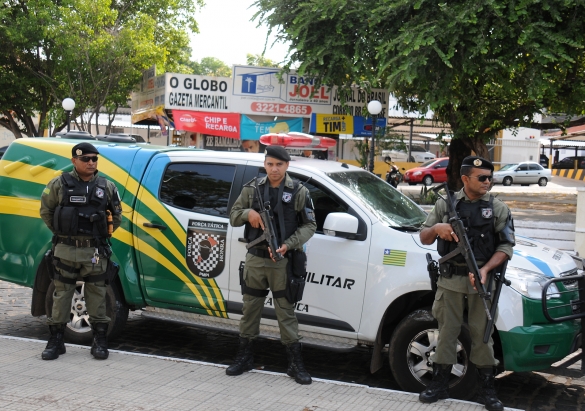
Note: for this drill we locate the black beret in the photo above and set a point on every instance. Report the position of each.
(82, 149)
(277, 152)
(477, 162)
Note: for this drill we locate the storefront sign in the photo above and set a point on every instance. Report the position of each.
(216, 124)
(331, 124)
(251, 130)
(362, 126)
(202, 93)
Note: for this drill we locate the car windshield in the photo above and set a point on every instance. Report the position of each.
(387, 204)
(508, 167)
(428, 163)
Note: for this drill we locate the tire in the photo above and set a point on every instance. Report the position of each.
(78, 330)
(542, 181)
(411, 160)
(507, 181)
(413, 340)
(427, 180)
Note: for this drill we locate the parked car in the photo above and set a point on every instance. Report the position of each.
(433, 171)
(418, 154)
(524, 173)
(569, 162)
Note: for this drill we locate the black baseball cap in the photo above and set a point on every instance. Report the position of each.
(477, 162)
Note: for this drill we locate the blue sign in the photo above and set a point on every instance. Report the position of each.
(251, 130)
(362, 126)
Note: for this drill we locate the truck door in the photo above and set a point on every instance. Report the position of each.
(181, 223)
(336, 267)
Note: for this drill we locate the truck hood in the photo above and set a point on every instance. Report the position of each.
(529, 255)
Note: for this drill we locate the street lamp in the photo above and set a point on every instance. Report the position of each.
(374, 108)
(68, 105)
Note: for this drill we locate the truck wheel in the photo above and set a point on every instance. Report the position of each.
(412, 342)
(78, 330)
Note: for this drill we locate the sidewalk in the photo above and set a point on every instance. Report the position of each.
(135, 382)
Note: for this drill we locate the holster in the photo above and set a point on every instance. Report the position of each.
(112, 272)
(296, 272)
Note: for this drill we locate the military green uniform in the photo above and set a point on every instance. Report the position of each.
(450, 299)
(77, 257)
(263, 273)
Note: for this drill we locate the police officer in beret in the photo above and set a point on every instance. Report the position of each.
(75, 207)
(295, 224)
(490, 230)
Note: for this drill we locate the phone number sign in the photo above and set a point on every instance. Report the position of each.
(276, 108)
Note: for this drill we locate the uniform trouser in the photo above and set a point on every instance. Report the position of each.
(262, 273)
(448, 309)
(94, 293)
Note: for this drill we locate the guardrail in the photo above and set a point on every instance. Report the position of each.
(577, 306)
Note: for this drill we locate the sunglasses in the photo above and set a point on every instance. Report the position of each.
(482, 178)
(87, 159)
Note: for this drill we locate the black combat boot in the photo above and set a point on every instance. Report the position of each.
(486, 394)
(244, 360)
(296, 367)
(438, 389)
(99, 348)
(55, 346)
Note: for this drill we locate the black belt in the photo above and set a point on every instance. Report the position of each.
(258, 252)
(460, 270)
(78, 243)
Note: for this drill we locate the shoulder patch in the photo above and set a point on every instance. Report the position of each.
(47, 190)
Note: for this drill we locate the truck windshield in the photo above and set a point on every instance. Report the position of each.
(389, 205)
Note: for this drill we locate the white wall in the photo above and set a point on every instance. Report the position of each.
(520, 145)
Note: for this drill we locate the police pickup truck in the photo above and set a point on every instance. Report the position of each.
(367, 282)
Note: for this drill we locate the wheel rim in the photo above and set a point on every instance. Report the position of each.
(427, 181)
(542, 182)
(79, 318)
(507, 181)
(420, 364)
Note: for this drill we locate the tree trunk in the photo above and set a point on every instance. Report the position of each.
(459, 149)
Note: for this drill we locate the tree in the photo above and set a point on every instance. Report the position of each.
(93, 51)
(480, 66)
(260, 61)
(212, 66)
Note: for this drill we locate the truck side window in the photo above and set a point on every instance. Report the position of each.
(198, 187)
(324, 202)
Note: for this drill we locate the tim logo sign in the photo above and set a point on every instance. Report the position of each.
(205, 252)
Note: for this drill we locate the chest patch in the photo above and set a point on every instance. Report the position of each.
(487, 212)
(99, 192)
(77, 199)
(286, 197)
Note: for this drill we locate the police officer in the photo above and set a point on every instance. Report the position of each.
(490, 230)
(74, 206)
(295, 224)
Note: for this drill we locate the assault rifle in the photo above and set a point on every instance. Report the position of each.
(463, 248)
(269, 232)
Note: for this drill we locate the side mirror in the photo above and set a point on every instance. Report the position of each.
(341, 225)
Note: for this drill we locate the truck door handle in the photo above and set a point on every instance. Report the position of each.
(150, 225)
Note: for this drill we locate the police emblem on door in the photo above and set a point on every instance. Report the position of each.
(205, 250)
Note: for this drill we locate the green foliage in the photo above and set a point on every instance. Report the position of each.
(93, 51)
(211, 66)
(260, 61)
(426, 196)
(480, 66)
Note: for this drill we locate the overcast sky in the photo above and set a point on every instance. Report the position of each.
(226, 32)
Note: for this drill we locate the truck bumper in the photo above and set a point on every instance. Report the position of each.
(539, 346)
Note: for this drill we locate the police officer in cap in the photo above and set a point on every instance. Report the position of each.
(295, 224)
(490, 230)
(75, 207)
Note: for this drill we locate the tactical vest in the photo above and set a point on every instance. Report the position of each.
(479, 221)
(288, 211)
(82, 211)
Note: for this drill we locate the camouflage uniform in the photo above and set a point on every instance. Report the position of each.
(450, 301)
(263, 273)
(78, 257)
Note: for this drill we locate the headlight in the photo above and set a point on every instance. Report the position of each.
(530, 284)
(417, 173)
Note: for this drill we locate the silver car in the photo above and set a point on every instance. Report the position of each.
(524, 173)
